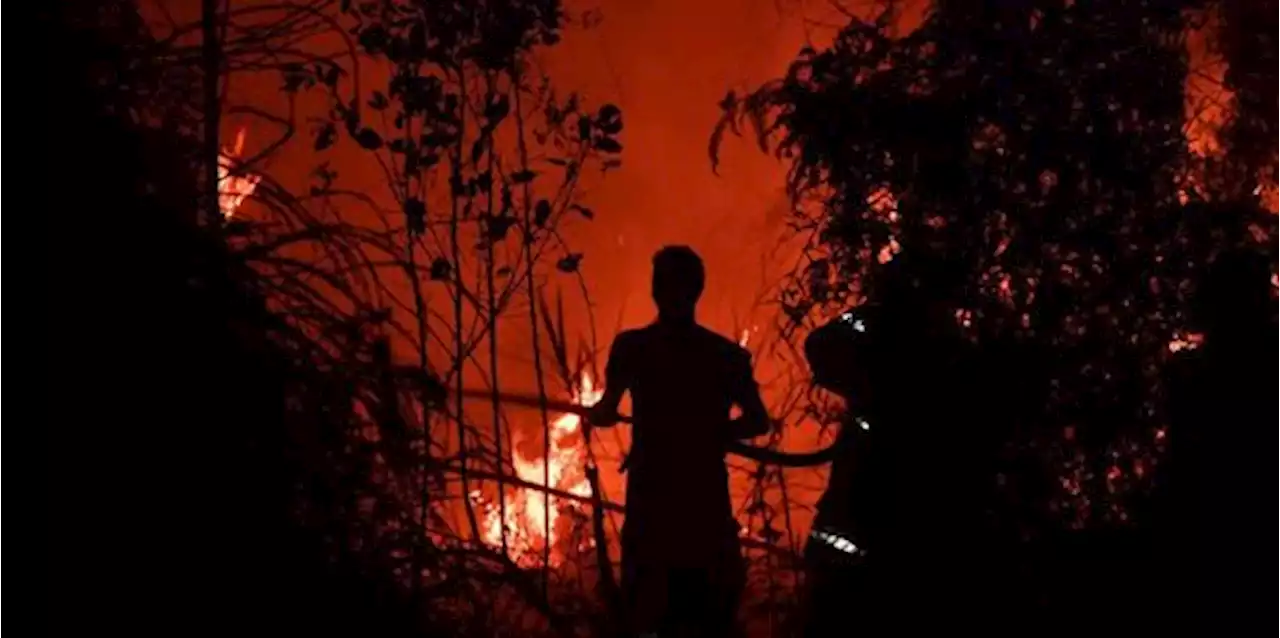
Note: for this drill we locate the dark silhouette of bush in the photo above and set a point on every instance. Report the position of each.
(183, 419)
(1038, 149)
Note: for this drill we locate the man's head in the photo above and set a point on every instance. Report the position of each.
(678, 277)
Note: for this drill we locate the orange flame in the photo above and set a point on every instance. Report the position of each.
(1208, 106)
(883, 203)
(1186, 341)
(530, 513)
(233, 189)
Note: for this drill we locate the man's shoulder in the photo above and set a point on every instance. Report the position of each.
(723, 345)
(632, 336)
(727, 352)
(630, 343)
(708, 339)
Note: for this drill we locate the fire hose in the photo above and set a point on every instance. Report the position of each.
(738, 448)
(763, 455)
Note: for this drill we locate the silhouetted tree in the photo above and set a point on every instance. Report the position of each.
(190, 429)
(1247, 39)
(483, 160)
(1038, 149)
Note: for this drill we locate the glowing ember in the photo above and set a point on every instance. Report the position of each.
(233, 189)
(529, 512)
(883, 202)
(1268, 193)
(1188, 341)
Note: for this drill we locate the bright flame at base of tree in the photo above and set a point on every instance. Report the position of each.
(233, 189)
(529, 512)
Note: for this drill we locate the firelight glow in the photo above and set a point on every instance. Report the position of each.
(529, 513)
(233, 189)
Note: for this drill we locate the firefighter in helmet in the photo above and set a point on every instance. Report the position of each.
(894, 497)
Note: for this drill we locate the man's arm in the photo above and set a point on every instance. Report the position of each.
(745, 393)
(617, 380)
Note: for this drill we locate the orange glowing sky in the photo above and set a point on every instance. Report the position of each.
(667, 63)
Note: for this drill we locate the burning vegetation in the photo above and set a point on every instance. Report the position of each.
(530, 512)
(1081, 201)
(233, 188)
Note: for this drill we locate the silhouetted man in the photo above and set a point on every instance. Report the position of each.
(681, 566)
(1223, 417)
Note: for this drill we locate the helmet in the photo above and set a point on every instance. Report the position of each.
(836, 352)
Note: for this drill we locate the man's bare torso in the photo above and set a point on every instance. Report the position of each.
(683, 381)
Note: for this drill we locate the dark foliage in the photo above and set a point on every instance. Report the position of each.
(459, 94)
(1247, 37)
(183, 418)
(1035, 152)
